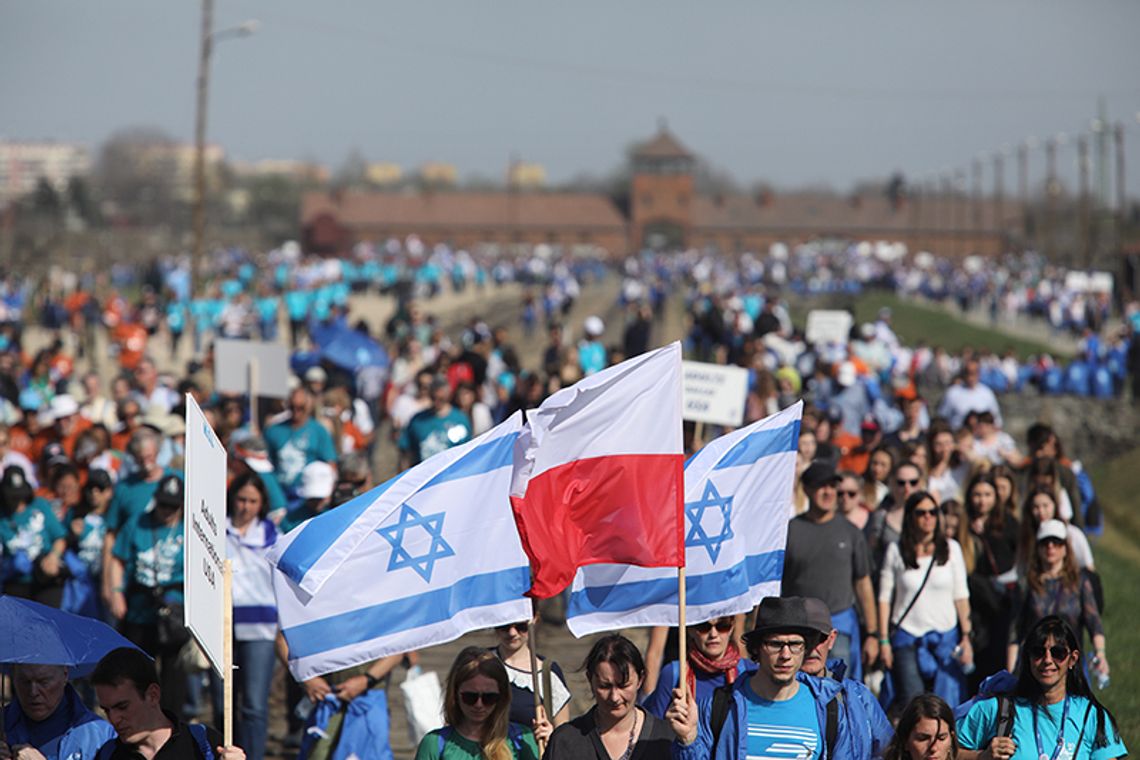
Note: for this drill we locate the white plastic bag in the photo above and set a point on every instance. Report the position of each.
(423, 703)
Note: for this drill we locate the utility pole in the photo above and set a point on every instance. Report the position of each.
(1023, 190)
(960, 211)
(198, 253)
(1050, 197)
(1084, 225)
(1121, 198)
(999, 196)
(976, 203)
(947, 213)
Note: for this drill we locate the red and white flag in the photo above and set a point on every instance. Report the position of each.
(599, 475)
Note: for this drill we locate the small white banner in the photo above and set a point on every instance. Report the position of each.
(828, 326)
(713, 393)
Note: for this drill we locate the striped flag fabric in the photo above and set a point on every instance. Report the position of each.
(738, 495)
(599, 477)
(420, 560)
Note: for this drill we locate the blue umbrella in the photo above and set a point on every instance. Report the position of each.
(34, 634)
(351, 350)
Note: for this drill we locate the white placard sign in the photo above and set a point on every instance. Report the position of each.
(828, 326)
(231, 367)
(713, 393)
(204, 514)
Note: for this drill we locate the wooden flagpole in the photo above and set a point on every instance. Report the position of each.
(682, 635)
(228, 654)
(532, 644)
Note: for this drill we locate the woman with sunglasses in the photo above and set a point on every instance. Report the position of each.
(1054, 713)
(1041, 505)
(925, 732)
(1054, 585)
(476, 707)
(714, 660)
(989, 546)
(615, 728)
(924, 598)
(513, 650)
(885, 524)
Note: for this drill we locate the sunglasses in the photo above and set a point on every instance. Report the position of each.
(1051, 542)
(849, 494)
(520, 627)
(1058, 652)
(724, 626)
(901, 482)
(925, 512)
(472, 698)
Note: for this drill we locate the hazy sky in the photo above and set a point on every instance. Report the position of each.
(789, 93)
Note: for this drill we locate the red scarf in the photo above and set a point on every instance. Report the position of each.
(726, 664)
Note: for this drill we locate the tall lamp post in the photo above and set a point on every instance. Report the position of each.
(209, 37)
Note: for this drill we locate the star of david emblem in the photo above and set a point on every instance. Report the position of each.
(433, 525)
(698, 536)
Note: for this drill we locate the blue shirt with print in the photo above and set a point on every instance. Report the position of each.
(290, 449)
(152, 555)
(25, 537)
(786, 729)
(428, 434)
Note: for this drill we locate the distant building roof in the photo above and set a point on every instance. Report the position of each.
(662, 145)
(356, 209)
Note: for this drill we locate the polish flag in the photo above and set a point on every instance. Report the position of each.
(599, 475)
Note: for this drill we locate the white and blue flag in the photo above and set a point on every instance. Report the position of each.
(420, 560)
(738, 500)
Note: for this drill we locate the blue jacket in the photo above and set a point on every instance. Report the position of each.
(85, 734)
(363, 734)
(658, 702)
(854, 739)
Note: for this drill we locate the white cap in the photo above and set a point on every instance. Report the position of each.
(1053, 529)
(316, 375)
(594, 326)
(317, 480)
(62, 406)
(846, 374)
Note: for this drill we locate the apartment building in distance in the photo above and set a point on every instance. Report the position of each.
(24, 162)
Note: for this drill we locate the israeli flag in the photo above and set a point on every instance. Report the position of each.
(738, 500)
(420, 560)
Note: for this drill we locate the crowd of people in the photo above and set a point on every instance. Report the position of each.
(940, 597)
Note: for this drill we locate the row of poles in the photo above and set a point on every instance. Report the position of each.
(943, 204)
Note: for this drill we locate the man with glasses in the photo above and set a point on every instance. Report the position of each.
(851, 499)
(827, 558)
(776, 711)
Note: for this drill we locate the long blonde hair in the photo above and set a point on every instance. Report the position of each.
(475, 661)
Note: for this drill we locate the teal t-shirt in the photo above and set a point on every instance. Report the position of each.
(26, 536)
(290, 449)
(787, 729)
(267, 308)
(297, 304)
(979, 727)
(428, 434)
(131, 497)
(152, 555)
